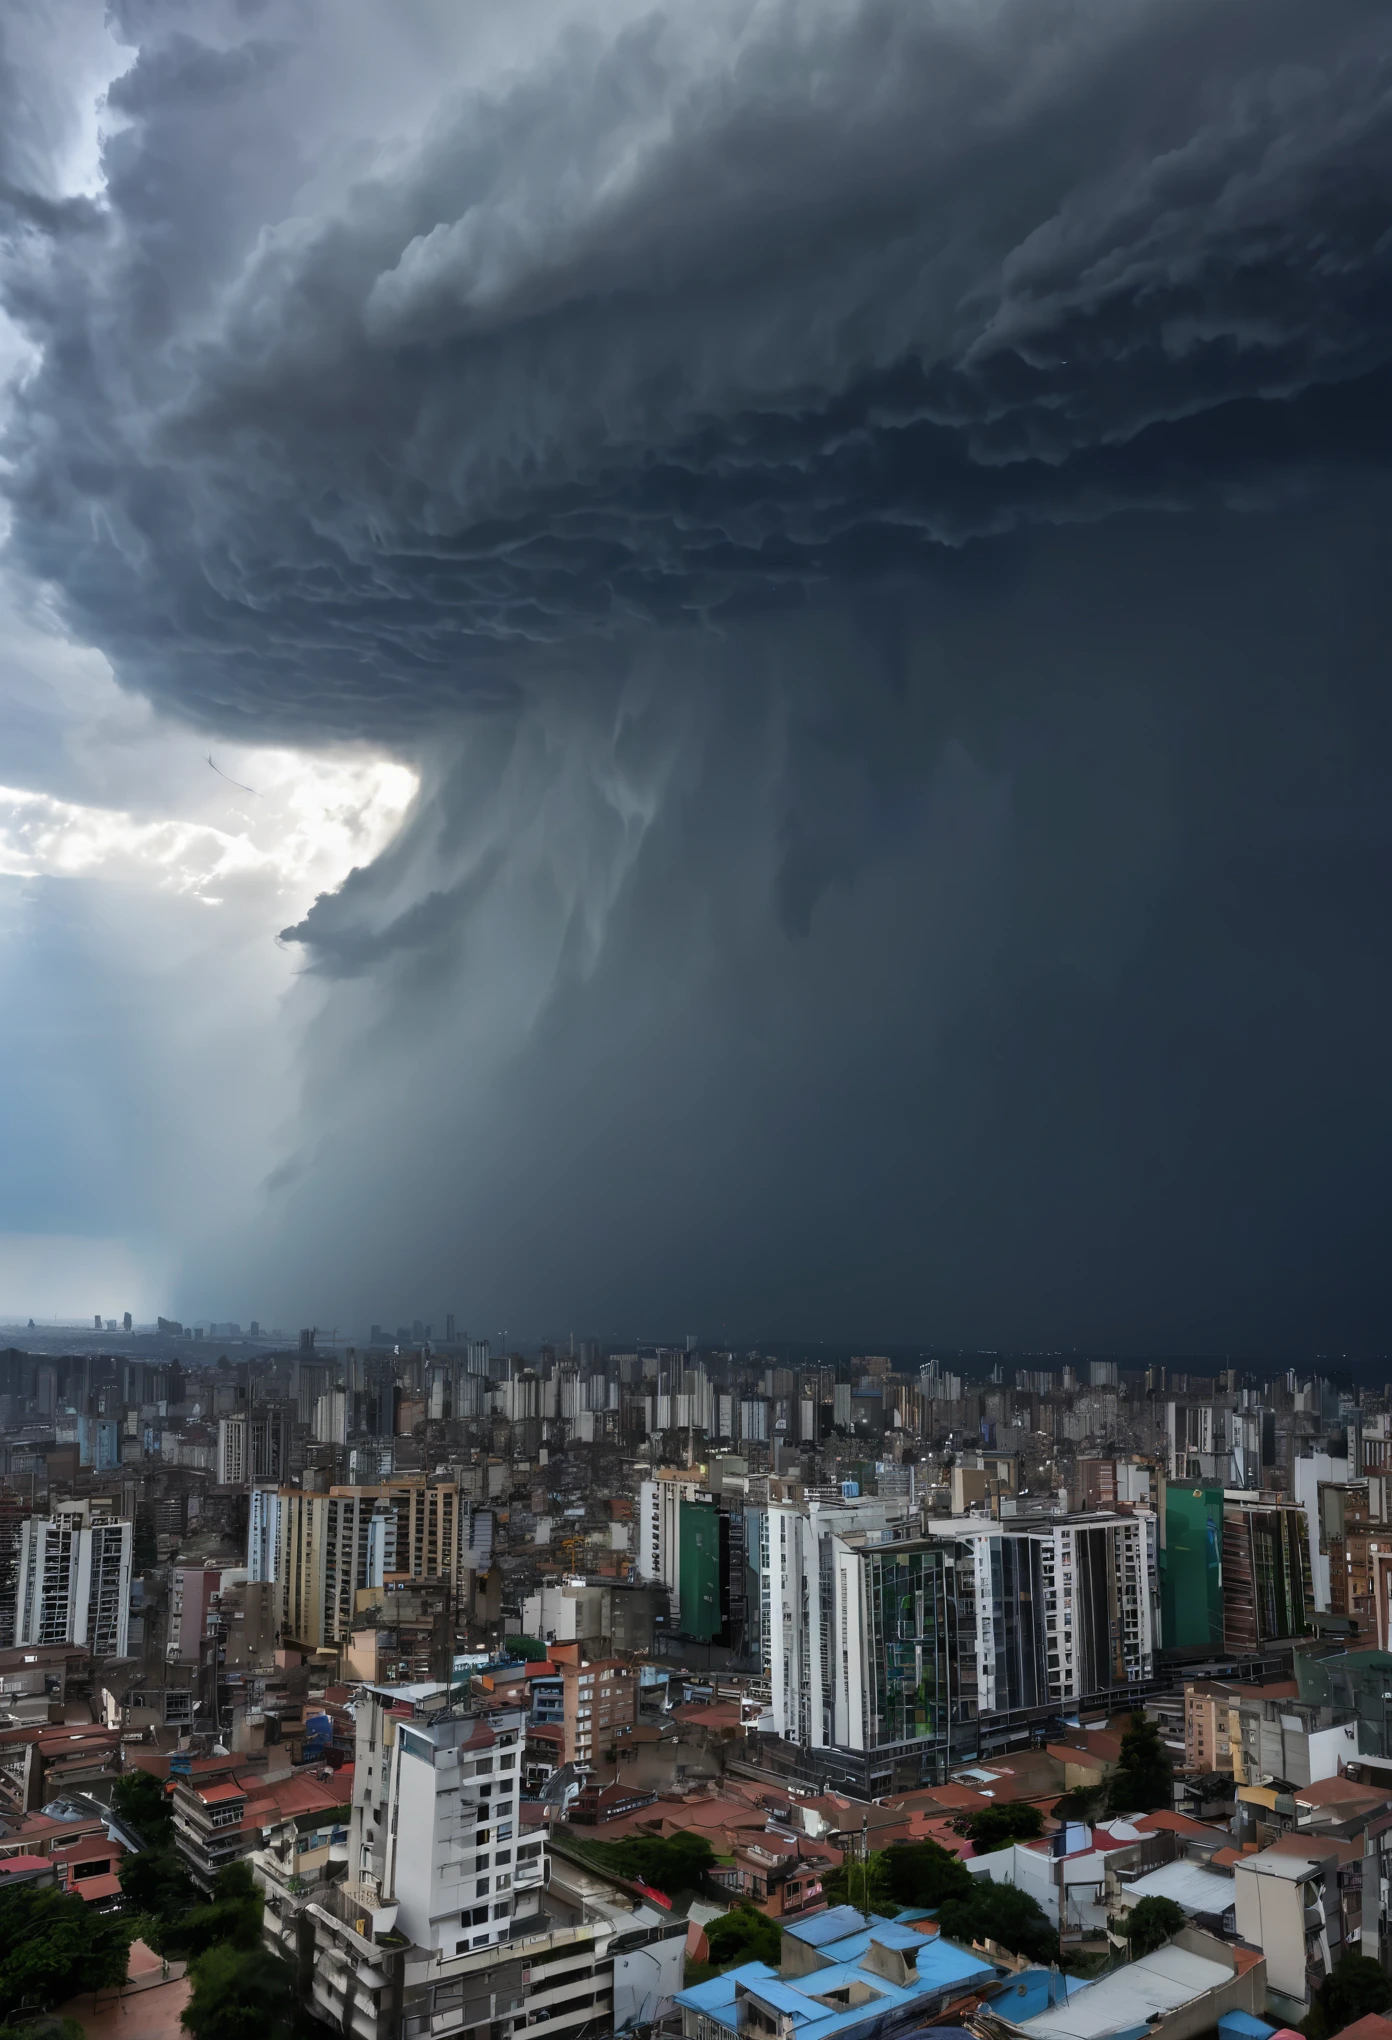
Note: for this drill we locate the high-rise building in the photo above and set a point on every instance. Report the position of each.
(318, 1550)
(659, 1529)
(436, 1823)
(74, 1580)
(1066, 1608)
(253, 1445)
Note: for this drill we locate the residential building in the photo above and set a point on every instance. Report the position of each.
(254, 1445)
(74, 1580)
(659, 1529)
(191, 1592)
(320, 1550)
(842, 1975)
(1066, 1608)
(599, 1708)
(1287, 1901)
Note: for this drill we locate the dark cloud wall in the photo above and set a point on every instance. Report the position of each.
(870, 520)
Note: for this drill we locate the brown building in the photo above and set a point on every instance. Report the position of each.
(599, 1707)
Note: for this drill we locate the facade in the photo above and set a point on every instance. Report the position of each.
(254, 1445)
(74, 1579)
(191, 1592)
(321, 1550)
(659, 1530)
(701, 1594)
(1288, 1906)
(1066, 1609)
(1236, 1569)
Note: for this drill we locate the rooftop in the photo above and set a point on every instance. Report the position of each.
(1133, 1996)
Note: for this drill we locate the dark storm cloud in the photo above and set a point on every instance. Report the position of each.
(664, 440)
(675, 320)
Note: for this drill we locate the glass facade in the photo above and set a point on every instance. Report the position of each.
(910, 1637)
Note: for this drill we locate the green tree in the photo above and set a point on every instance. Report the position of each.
(157, 1884)
(1150, 1924)
(744, 1935)
(142, 1803)
(241, 1994)
(864, 1882)
(1084, 1802)
(53, 1947)
(1354, 1987)
(998, 1912)
(1144, 1779)
(996, 1827)
(233, 1917)
(922, 1874)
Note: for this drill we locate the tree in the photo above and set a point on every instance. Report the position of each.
(241, 1994)
(996, 1827)
(1084, 1803)
(1151, 1924)
(53, 1947)
(865, 1882)
(922, 1874)
(232, 1916)
(157, 1884)
(744, 1935)
(998, 1912)
(1144, 1779)
(142, 1804)
(1354, 1987)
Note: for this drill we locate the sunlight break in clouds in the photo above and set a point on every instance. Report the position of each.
(307, 823)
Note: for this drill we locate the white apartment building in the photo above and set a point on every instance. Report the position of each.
(809, 1599)
(74, 1580)
(435, 1823)
(1066, 1608)
(440, 1930)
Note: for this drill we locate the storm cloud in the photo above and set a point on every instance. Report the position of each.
(869, 521)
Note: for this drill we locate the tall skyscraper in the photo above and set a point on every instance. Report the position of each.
(74, 1580)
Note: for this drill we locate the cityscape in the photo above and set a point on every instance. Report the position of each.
(695, 857)
(559, 1691)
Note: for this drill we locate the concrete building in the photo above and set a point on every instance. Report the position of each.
(659, 1529)
(254, 1445)
(319, 1551)
(191, 1592)
(1066, 1608)
(74, 1580)
(1287, 1900)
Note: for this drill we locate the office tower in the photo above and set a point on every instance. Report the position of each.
(74, 1580)
(449, 1327)
(98, 1443)
(479, 1356)
(1237, 1572)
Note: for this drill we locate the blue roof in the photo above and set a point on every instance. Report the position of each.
(939, 1966)
(827, 1926)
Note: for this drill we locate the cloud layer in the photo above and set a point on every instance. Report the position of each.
(865, 518)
